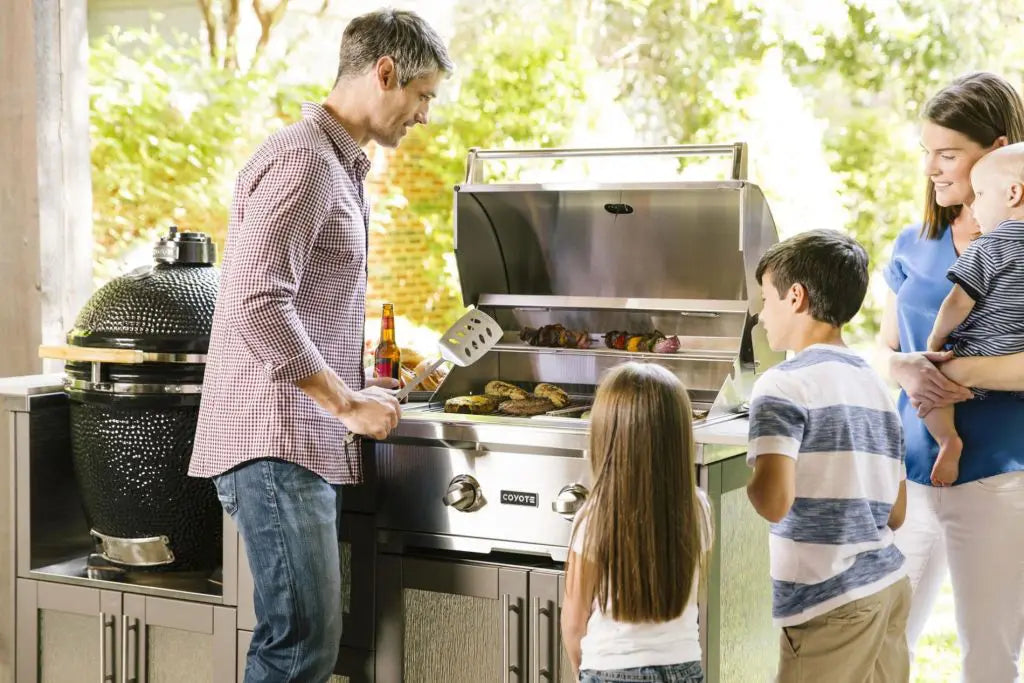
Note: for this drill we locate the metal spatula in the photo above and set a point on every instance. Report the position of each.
(465, 342)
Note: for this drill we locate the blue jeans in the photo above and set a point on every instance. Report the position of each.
(289, 520)
(689, 672)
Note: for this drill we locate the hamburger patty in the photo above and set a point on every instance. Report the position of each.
(525, 407)
(471, 405)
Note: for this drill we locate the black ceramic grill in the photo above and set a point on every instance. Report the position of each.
(136, 357)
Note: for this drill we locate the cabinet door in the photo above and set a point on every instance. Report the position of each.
(358, 554)
(66, 634)
(545, 634)
(167, 641)
(565, 674)
(450, 621)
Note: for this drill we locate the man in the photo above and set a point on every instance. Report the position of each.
(284, 383)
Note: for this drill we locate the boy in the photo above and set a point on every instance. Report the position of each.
(826, 445)
(981, 315)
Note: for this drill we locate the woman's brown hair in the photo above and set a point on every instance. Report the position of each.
(646, 527)
(982, 106)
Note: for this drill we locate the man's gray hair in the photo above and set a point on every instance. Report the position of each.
(411, 42)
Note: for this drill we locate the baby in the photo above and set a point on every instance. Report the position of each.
(982, 315)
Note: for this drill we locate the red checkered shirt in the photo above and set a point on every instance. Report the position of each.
(292, 301)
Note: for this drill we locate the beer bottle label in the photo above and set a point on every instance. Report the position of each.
(386, 367)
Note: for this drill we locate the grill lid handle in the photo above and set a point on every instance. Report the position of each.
(738, 151)
(185, 248)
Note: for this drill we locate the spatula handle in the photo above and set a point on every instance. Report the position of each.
(415, 381)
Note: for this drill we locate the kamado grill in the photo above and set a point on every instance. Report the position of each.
(580, 278)
(134, 371)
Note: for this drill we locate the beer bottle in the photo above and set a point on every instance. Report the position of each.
(387, 359)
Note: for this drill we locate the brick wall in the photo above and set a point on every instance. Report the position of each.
(402, 268)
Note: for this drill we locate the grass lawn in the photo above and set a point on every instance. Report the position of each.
(938, 653)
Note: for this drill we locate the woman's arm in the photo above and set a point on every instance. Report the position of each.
(915, 372)
(575, 611)
(888, 339)
(999, 373)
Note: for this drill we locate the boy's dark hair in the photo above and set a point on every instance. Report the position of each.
(831, 266)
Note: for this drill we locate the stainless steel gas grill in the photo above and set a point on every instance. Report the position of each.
(653, 272)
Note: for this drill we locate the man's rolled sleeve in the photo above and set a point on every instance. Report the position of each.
(282, 217)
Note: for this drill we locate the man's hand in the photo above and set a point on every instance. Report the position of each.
(371, 412)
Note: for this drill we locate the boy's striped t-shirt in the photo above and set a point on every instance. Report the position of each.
(830, 411)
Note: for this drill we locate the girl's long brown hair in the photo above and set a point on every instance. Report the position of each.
(981, 106)
(646, 527)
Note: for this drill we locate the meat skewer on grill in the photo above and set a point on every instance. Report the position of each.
(555, 336)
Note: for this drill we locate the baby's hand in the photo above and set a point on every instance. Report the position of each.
(936, 343)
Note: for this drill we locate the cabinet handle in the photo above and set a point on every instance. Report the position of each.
(506, 632)
(129, 624)
(539, 670)
(105, 623)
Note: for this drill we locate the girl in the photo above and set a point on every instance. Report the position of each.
(639, 545)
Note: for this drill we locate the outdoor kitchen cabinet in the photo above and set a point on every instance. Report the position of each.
(466, 622)
(66, 633)
(74, 634)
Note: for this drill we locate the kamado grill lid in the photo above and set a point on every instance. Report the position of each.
(166, 307)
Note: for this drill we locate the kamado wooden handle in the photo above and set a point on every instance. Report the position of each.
(67, 352)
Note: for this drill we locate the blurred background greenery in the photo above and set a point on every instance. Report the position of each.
(827, 93)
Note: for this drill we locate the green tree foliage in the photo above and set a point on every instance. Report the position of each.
(168, 134)
(685, 68)
(682, 65)
(518, 83)
(871, 78)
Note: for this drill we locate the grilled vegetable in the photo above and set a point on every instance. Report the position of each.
(616, 340)
(667, 345)
(655, 342)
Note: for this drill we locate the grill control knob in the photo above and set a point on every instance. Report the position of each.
(569, 500)
(463, 494)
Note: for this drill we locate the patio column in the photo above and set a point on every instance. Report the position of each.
(45, 186)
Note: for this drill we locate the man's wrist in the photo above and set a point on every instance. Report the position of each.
(343, 399)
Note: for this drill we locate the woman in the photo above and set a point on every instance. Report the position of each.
(974, 528)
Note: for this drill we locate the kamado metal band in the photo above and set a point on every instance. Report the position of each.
(132, 388)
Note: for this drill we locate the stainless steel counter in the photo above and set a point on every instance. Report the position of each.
(14, 391)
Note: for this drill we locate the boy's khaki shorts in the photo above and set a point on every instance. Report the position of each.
(863, 641)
